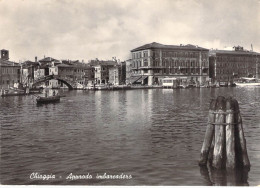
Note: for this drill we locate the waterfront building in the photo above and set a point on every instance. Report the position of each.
(27, 72)
(9, 71)
(53, 70)
(25, 78)
(117, 74)
(82, 73)
(123, 72)
(102, 70)
(49, 64)
(39, 72)
(128, 71)
(89, 75)
(153, 62)
(227, 65)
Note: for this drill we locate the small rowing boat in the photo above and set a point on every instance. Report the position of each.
(50, 99)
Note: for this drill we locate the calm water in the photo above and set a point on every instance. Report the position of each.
(153, 135)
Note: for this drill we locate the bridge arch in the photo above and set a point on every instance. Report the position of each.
(51, 77)
(65, 82)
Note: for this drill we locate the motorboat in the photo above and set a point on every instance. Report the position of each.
(245, 81)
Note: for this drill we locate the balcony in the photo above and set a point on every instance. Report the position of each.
(144, 67)
(152, 67)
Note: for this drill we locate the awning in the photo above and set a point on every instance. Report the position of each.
(134, 78)
(141, 79)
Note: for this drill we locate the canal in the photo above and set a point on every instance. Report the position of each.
(142, 137)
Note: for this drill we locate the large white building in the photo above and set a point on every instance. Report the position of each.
(153, 62)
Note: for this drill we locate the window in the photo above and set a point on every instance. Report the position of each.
(145, 62)
(145, 53)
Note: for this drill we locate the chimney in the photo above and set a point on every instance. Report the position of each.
(35, 59)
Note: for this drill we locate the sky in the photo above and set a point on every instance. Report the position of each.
(90, 29)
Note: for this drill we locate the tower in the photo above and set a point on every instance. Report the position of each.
(4, 54)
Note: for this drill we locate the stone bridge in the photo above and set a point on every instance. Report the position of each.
(72, 84)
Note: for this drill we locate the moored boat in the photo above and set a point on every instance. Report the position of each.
(12, 92)
(244, 81)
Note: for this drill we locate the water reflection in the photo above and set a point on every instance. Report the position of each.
(237, 177)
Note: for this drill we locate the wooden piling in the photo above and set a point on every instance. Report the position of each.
(230, 134)
(208, 135)
(224, 144)
(211, 150)
(218, 153)
(242, 142)
(242, 160)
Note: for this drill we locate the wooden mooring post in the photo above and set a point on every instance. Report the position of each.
(224, 145)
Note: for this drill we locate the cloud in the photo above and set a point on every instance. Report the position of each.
(86, 29)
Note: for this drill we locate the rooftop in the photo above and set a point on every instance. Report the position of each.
(63, 65)
(28, 63)
(101, 62)
(8, 63)
(48, 59)
(155, 45)
(232, 52)
(75, 65)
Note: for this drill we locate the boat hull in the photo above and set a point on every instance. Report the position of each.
(248, 84)
(44, 100)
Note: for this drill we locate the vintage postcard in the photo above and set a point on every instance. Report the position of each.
(133, 92)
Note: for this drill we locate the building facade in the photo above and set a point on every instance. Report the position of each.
(128, 71)
(27, 72)
(9, 71)
(227, 65)
(102, 70)
(115, 75)
(153, 62)
(82, 73)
